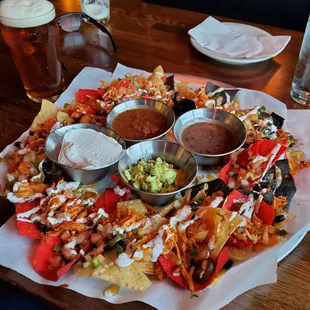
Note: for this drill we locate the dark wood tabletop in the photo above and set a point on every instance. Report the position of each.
(148, 35)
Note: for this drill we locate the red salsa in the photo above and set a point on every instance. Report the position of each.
(140, 124)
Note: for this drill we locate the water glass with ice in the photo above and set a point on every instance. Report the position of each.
(300, 91)
(97, 9)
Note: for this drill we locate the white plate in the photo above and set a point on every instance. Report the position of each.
(243, 29)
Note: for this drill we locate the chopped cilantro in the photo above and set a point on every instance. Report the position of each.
(57, 248)
(136, 84)
(194, 251)
(194, 294)
(262, 109)
(118, 249)
(199, 200)
(282, 232)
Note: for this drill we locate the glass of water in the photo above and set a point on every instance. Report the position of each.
(97, 9)
(300, 91)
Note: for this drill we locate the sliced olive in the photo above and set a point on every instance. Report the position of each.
(17, 144)
(279, 218)
(200, 275)
(43, 228)
(122, 243)
(228, 265)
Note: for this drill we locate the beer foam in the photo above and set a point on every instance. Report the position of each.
(26, 13)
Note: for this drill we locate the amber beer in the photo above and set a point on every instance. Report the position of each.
(33, 38)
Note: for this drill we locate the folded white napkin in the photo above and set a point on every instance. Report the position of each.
(220, 38)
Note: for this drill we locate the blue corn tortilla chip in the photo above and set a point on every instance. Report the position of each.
(271, 181)
(278, 121)
(170, 82)
(220, 95)
(213, 187)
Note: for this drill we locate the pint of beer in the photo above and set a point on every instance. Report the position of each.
(29, 29)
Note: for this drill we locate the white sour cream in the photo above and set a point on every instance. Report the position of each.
(123, 260)
(88, 149)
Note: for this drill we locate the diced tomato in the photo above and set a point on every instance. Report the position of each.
(147, 97)
(234, 195)
(90, 110)
(27, 229)
(265, 213)
(115, 178)
(125, 83)
(233, 241)
(44, 262)
(83, 95)
(168, 265)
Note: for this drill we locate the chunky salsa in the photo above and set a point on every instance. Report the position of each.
(140, 124)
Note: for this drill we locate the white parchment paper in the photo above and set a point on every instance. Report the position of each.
(17, 253)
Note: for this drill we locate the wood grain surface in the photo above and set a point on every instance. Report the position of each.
(148, 35)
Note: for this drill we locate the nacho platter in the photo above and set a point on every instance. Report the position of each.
(147, 296)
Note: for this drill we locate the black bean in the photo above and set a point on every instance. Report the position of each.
(122, 243)
(43, 228)
(17, 144)
(31, 133)
(279, 218)
(206, 275)
(228, 264)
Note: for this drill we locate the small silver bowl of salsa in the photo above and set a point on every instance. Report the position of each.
(210, 134)
(141, 120)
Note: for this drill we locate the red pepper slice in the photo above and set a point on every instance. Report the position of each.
(108, 200)
(265, 213)
(263, 148)
(168, 265)
(233, 241)
(229, 201)
(83, 95)
(41, 262)
(27, 229)
(101, 91)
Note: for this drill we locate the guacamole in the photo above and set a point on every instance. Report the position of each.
(155, 176)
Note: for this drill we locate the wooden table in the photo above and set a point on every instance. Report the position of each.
(149, 35)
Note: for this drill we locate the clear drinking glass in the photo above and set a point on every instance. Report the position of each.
(33, 39)
(300, 91)
(97, 9)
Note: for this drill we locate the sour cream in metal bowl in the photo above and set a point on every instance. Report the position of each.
(86, 152)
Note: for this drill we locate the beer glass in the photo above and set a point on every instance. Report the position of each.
(300, 91)
(32, 36)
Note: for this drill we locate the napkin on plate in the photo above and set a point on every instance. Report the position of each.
(222, 39)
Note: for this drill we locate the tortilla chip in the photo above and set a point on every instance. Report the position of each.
(156, 76)
(48, 110)
(63, 117)
(27, 229)
(130, 277)
(43, 253)
(145, 267)
(135, 206)
(176, 204)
